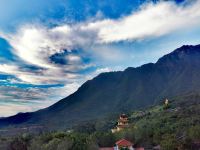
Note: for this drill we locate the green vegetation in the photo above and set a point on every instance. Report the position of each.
(173, 128)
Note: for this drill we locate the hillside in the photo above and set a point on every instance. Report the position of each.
(170, 128)
(134, 88)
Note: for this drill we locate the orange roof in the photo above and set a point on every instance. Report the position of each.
(124, 142)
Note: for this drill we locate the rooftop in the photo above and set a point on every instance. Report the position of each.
(124, 142)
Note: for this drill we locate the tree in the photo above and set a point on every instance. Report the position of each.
(104, 139)
(194, 132)
(18, 144)
(169, 142)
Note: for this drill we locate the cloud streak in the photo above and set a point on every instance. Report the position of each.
(31, 99)
(151, 20)
(40, 76)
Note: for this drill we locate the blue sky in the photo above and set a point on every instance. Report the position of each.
(49, 48)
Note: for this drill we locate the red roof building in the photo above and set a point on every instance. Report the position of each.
(123, 144)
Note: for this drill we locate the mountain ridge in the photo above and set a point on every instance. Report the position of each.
(114, 92)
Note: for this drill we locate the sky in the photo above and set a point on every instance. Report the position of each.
(50, 48)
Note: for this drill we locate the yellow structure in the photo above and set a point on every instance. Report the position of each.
(166, 102)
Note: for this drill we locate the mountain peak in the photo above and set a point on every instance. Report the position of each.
(181, 53)
(187, 49)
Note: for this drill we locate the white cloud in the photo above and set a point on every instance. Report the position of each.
(36, 43)
(151, 21)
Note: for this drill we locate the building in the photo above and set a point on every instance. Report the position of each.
(123, 144)
(166, 102)
(121, 124)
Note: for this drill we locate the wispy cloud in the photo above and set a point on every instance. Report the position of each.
(14, 99)
(40, 76)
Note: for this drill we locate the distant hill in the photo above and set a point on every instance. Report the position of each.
(174, 74)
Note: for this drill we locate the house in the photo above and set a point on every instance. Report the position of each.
(123, 144)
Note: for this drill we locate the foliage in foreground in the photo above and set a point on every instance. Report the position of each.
(174, 128)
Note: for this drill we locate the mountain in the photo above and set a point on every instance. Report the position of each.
(174, 74)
